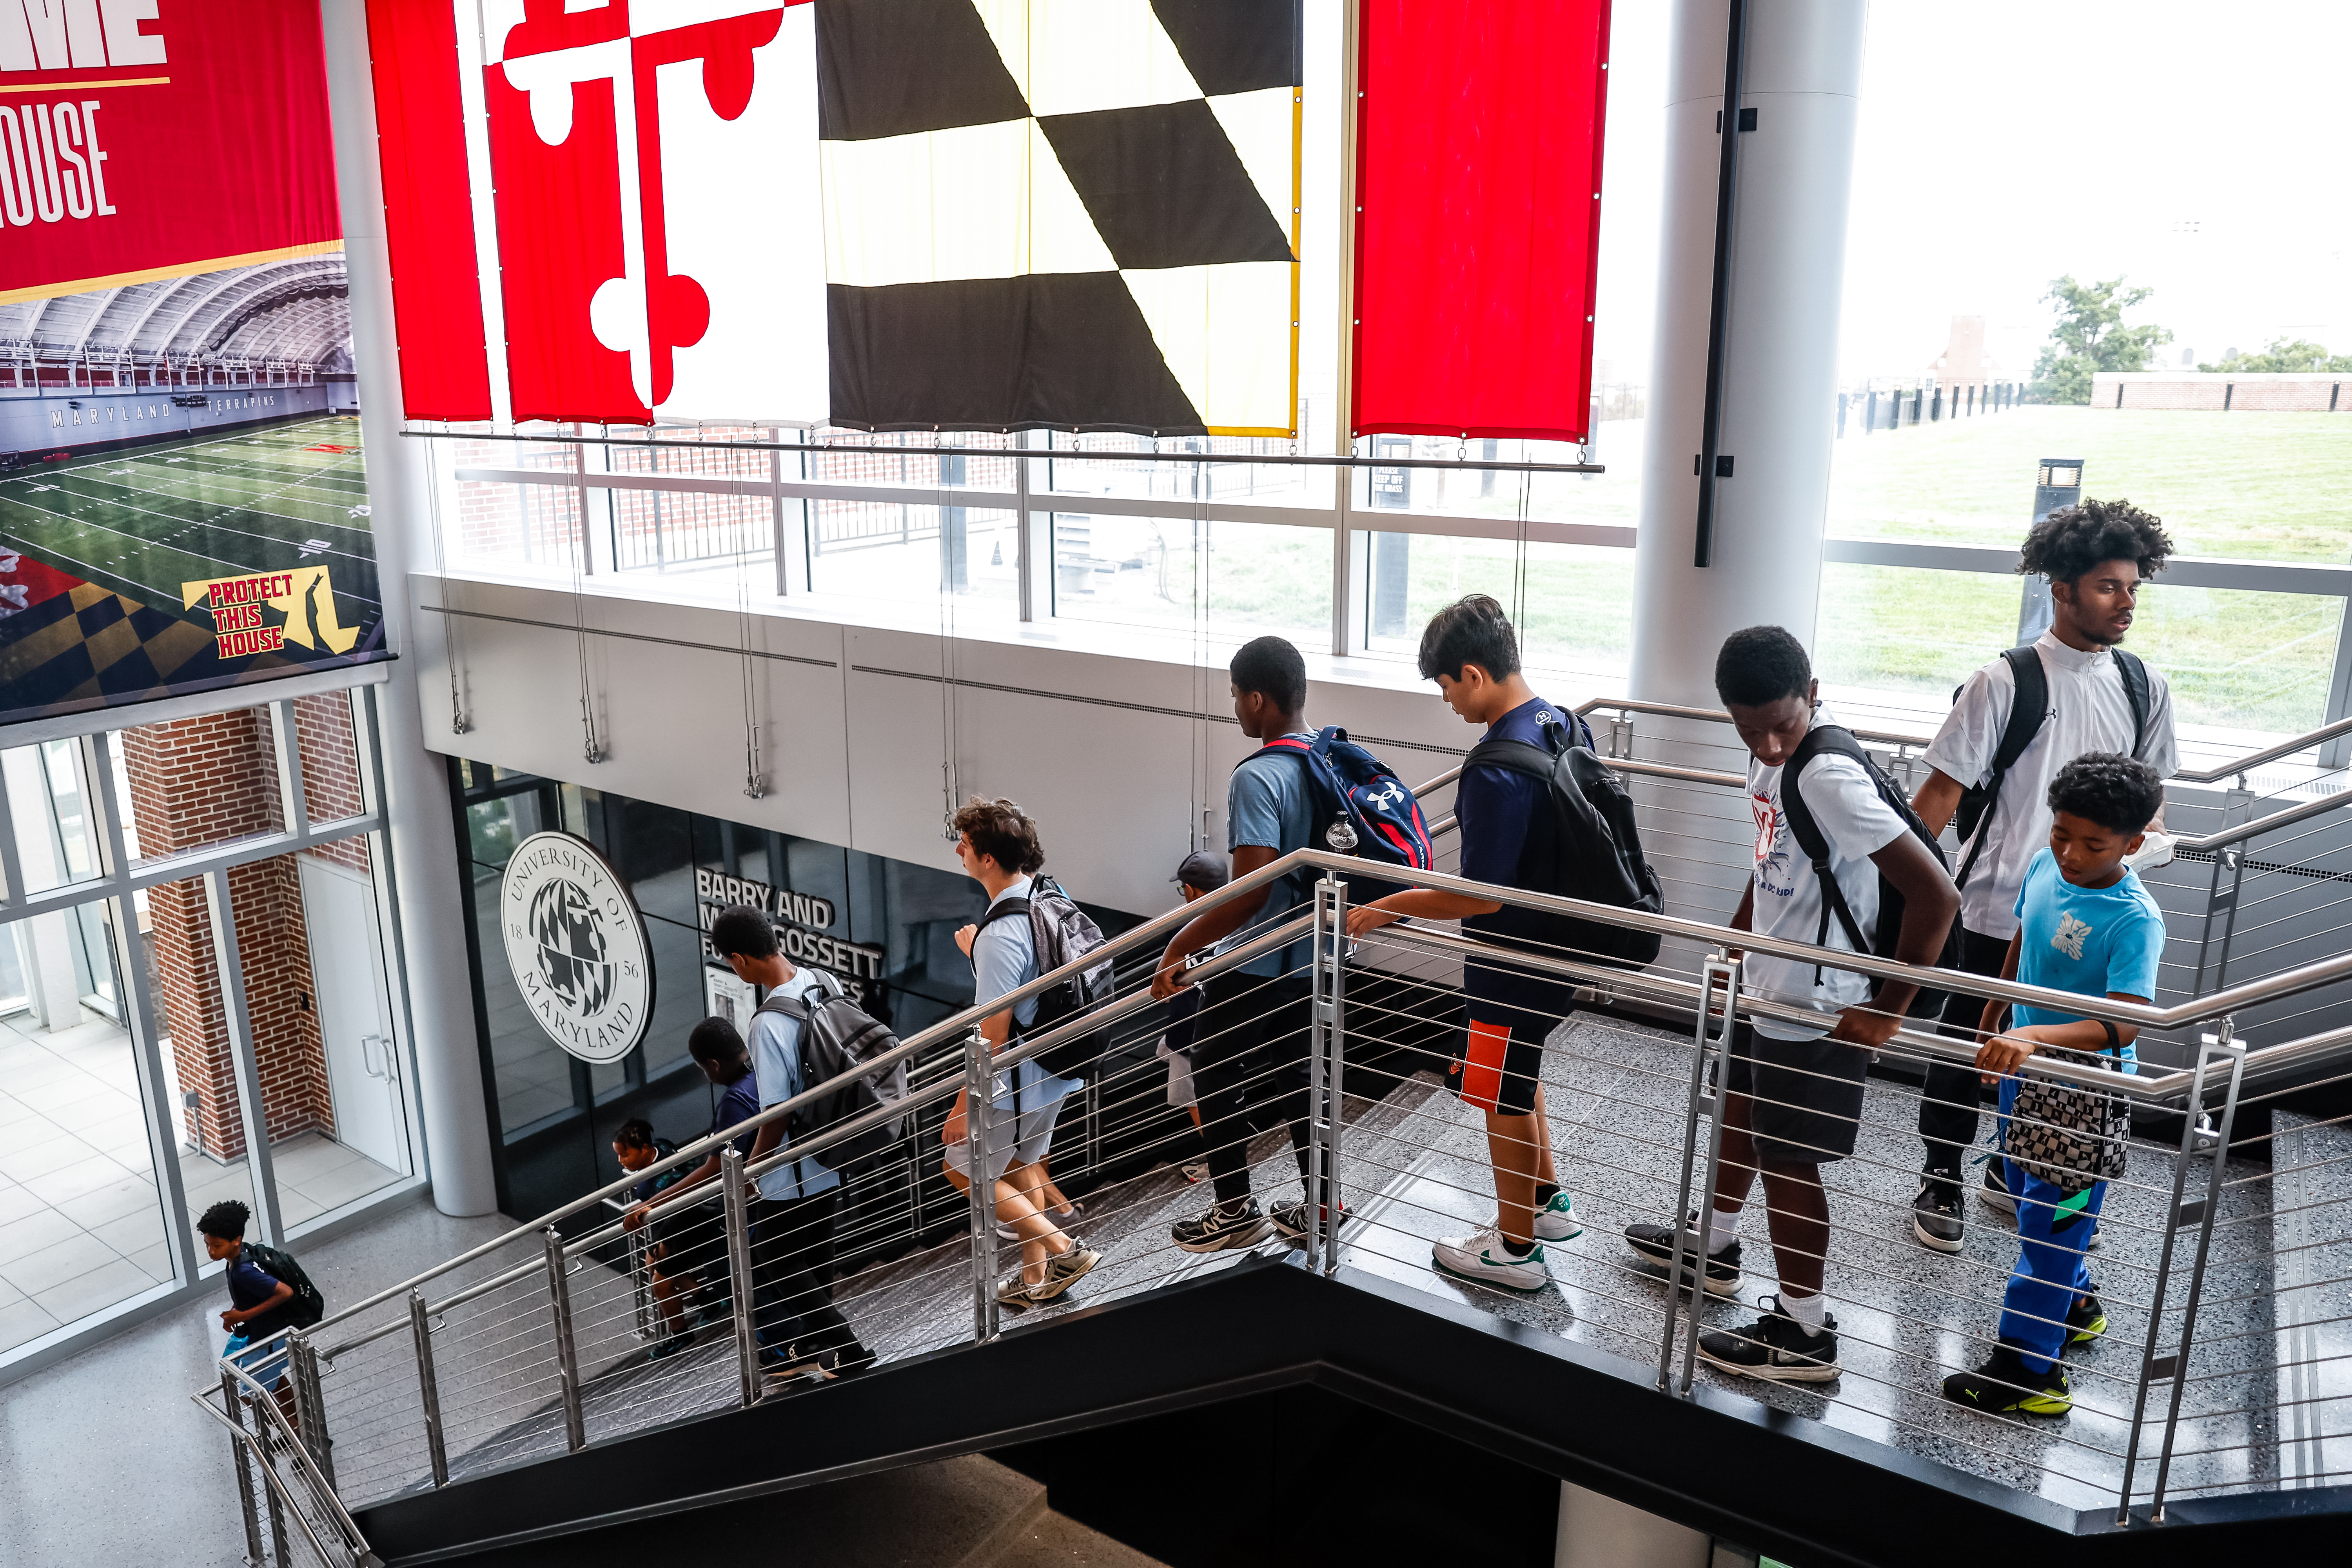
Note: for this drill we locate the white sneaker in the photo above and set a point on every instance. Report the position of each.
(1480, 1259)
(1556, 1221)
(1197, 1172)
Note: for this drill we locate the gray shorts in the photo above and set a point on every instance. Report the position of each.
(1022, 1139)
(1181, 1092)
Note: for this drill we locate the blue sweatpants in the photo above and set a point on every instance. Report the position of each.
(2053, 1240)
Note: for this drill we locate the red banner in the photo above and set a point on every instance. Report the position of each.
(148, 139)
(1478, 202)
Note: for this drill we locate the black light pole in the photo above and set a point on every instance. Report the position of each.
(1711, 463)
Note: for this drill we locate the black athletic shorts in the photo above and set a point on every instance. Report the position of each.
(1499, 1065)
(1805, 1095)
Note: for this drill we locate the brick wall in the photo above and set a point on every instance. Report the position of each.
(199, 781)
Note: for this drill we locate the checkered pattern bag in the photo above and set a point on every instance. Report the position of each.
(2067, 1136)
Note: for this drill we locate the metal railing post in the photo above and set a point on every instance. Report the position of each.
(428, 1385)
(567, 1355)
(2232, 858)
(234, 1404)
(738, 1270)
(1318, 1030)
(311, 1401)
(2152, 1368)
(978, 1087)
(1336, 1076)
(2211, 1205)
(1727, 970)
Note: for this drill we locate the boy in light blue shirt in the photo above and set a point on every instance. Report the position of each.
(2085, 924)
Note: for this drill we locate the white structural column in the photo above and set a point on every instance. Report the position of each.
(1803, 77)
(415, 781)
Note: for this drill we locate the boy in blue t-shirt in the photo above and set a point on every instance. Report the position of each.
(2085, 924)
(1507, 837)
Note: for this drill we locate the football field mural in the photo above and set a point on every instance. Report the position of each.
(185, 565)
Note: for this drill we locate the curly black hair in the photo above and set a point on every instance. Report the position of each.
(1760, 665)
(225, 1220)
(1002, 830)
(2120, 794)
(739, 929)
(1273, 668)
(2074, 539)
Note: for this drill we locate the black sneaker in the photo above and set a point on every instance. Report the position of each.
(1216, 1230)
(2086, 1319)
(1936, 1215)
(1289, 1218)
(1995, 1193)
(1656, 1242)
(2005, 1386)
(1775, 1347)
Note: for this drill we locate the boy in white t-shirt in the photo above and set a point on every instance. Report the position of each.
(1792, 1089)
(2095, 698)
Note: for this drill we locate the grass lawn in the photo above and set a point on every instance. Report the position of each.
(2273, 486)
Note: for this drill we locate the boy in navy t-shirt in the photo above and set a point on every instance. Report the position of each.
(259, 1304)
(1250, 1058)
(2084, 924)
(1471, 652)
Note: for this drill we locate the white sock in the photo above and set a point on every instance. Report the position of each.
(1807, 1309)
(1722, 1229)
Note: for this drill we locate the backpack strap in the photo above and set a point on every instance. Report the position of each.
(1839, 741)
(2136, 688)
(1003, 910)
(2028, 707)
(1511, 756)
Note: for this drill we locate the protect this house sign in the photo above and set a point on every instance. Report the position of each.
(577, 946)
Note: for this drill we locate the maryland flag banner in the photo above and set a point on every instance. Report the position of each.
(880, 213)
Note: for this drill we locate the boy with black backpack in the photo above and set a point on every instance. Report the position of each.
(1834, 842)
(791, 1220)
(1509, 836)
(2013, 725)
(267, 1293)
(997, 845)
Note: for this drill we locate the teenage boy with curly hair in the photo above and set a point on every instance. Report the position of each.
(2097, 556)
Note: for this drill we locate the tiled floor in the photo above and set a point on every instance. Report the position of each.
(2268, 1402)
(81, 1227)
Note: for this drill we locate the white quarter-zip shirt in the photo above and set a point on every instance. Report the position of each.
(2089, 712)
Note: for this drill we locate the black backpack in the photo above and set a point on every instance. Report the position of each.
(1062, 931)
(1837, 741)
(2027, 713)
(838, 1037)
(1597, 850)
(306, 1306)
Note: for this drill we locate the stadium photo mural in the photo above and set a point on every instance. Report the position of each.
(184, 501)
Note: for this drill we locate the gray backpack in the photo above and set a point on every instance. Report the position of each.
(838, 1036)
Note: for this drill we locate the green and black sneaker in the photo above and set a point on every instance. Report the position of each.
(2005, 1386)
(2086, 1319)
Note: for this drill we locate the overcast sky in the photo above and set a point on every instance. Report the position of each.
(2187, 147)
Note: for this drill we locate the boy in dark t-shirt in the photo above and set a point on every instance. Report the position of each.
(1472, 653)
(260, 1304)
(686, 1238)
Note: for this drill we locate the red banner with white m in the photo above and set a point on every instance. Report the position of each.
(150, 139)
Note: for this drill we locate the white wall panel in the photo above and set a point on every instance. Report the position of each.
(1101, 748)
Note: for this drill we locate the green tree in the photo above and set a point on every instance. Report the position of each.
(2280, 356)
(2089, 336)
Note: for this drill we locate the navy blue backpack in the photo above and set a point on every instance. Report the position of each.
(1362, 807)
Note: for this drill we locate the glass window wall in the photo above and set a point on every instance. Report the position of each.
(117, 1041)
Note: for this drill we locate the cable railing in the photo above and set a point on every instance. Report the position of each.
(580, 1327)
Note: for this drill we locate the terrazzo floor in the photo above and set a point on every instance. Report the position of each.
(2266, 1400)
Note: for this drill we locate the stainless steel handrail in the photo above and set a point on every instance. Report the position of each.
(2307, 740)
(2147, 1016)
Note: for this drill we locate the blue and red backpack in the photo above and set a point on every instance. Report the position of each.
(1362, 807)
